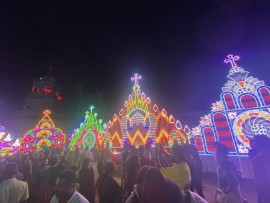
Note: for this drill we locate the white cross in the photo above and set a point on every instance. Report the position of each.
(231, 59)
(136, 78)
(91, 108)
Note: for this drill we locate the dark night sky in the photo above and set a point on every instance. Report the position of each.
(96, 46)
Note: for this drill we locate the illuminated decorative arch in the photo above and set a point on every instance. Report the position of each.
(44, 134)
(223, 130)
(242, 113)
(264, 93)
(87, 133)
(248, 101)
(139, 122)
(8, 145)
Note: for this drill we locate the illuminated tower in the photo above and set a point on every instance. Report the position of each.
(44, 93)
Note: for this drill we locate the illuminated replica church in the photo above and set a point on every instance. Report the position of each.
(241, 114)
(139, 122)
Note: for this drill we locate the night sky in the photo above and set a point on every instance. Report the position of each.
(96, 46)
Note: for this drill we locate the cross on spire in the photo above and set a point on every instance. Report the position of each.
(47, 112)
(231, 59)
(91, 108)
(136, 78)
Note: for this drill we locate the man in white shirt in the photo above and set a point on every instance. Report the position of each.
(65, 189)
(11, 189)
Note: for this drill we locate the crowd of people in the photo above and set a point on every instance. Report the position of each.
(144, 175)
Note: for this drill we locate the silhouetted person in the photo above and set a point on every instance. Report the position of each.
(157, 189)
(86, 181)
(132, 167)
(11, 189)
(228, 189)
(260, 157)
(195, 167)
(65, 189)
(179, 172)
(100, 165)
(108, 189)
(145, 161)
(26, 169)
(136, 194)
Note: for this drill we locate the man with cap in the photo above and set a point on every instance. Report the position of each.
(11, 189)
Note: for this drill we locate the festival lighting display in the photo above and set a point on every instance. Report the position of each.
(86, 135)
(242, 113)
(2, 132)
(44, 134)
(140, 122)
(6, 146)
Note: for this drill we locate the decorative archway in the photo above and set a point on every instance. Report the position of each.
(140, 122)
(44, 134)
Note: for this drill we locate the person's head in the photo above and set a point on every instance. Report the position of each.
(134, 151)
(141, 149)
(54, 160)
(25, 157)
(109, 168)
(153, 187)
(148, 146)
(132, 164)
(86, 163)
(45, 161)
(41, 157)
(157, 189)
(221, 151)
(177, 154)
(10, 170)
(65, 184)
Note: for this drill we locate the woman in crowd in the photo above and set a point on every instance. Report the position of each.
(108, 189)
(157, 189)
(132, 167)
(136, 194)
(260, 158)
(86, 181)
(228, 189)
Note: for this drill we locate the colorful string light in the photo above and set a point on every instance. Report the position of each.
(44, 134)
(241, 114)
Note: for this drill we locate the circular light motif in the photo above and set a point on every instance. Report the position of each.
(250, 124)
(89, 139)
(59, 141)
